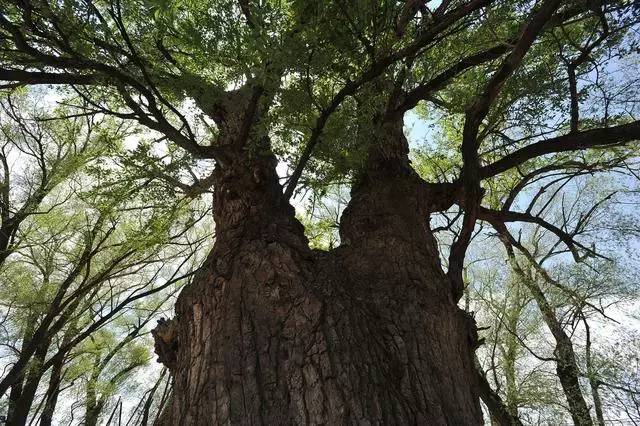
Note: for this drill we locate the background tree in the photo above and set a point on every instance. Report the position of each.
(89, 251)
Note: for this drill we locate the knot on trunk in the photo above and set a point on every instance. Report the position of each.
(166, 342)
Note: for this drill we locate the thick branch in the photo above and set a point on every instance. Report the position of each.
(475, 114)
(478, 111)
(425, 90)
(29, 77)
(595, 138)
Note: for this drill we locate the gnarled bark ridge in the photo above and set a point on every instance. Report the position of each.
(272, 332)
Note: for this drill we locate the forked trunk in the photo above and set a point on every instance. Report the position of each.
(272, 332)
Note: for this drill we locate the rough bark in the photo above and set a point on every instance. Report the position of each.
(271, 332)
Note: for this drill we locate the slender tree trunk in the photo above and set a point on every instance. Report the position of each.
(55, 379)
(22, 406)
(146, 410)
(14, 399)
(514, 309)
(597, 401)
(5, 238)
(53, 390)
(500, 413)
(593, 381)
(271, 332)
(566, 365)
(92, 415)
(15, 392)
(93, 403)
(568, 373)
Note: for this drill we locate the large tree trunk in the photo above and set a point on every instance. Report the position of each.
(271, 332)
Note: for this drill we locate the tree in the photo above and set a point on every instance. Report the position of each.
(50, 153)
(271, 331)
(556, 361)
(82, 253)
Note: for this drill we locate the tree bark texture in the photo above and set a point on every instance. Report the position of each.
(272, 332)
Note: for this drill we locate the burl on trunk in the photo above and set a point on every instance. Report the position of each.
(272, 332)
